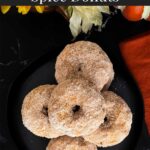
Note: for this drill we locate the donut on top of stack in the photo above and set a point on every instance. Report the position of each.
(76, 108)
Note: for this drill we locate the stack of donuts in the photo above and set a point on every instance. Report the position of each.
(79, 113)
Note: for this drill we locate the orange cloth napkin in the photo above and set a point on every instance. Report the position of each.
(136, 53)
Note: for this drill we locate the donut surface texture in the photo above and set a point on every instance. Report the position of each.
(34, 112)
(69, 143)
(117, 124)
(87, 60)
(76, 108)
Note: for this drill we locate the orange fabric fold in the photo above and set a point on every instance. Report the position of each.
(136, 53)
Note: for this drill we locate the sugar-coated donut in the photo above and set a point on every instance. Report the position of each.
(117, 124)
(34, 112)
(76, 108)
(69, 143)
(85, 59)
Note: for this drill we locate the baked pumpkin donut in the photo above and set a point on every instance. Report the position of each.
(75, 108)
(34, 112)
(87, 60)
(117, 124)
(69, 143)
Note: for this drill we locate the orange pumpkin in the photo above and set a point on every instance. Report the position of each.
(134, 13)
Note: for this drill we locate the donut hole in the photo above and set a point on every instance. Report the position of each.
(107, 122)
(76, 108)
(79, 69)
(105, 119)
(77, 112)
(45, 110)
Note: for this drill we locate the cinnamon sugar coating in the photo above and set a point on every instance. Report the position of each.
(87, 60)
(34, 112)
(76, 108)
(69, 143)
(117, 124)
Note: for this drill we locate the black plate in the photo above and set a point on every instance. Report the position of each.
(34, 35)
(42, 72)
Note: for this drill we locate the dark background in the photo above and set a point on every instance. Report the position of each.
(23, 39)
